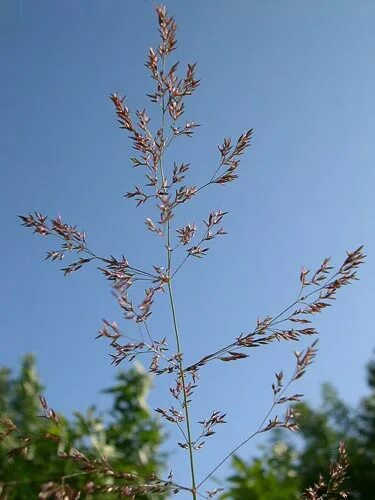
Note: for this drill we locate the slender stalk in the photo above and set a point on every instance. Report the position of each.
(163, 183)
(251, 436)
(188, 255)
(275, 321)
(180, 365)
(182, 376)
(180, 265)
(174, 316)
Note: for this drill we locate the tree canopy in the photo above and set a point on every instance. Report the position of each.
(32, 448)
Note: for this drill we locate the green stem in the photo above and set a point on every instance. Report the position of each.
(173, 310)
(180, 364)
(182, 376)
(162, 126)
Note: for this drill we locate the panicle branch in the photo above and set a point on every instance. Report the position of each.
(332, 487)
(287, 421)
(268, 330)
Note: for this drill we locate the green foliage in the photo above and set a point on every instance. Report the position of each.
(262, 478)
(127, 434)
(131, 427)
(287, 467)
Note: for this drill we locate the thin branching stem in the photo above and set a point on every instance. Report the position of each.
(186, 404)
(180, 365)
(251, 436)
(188, 255)
(176, 331)
(163, 183)
(275, 321)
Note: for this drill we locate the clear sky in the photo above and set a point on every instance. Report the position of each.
(303, 75)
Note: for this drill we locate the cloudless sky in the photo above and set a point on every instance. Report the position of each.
(303, 75)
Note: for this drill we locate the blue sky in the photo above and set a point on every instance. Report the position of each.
(302, 74)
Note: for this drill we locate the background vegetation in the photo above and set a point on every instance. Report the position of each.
(126, 434)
